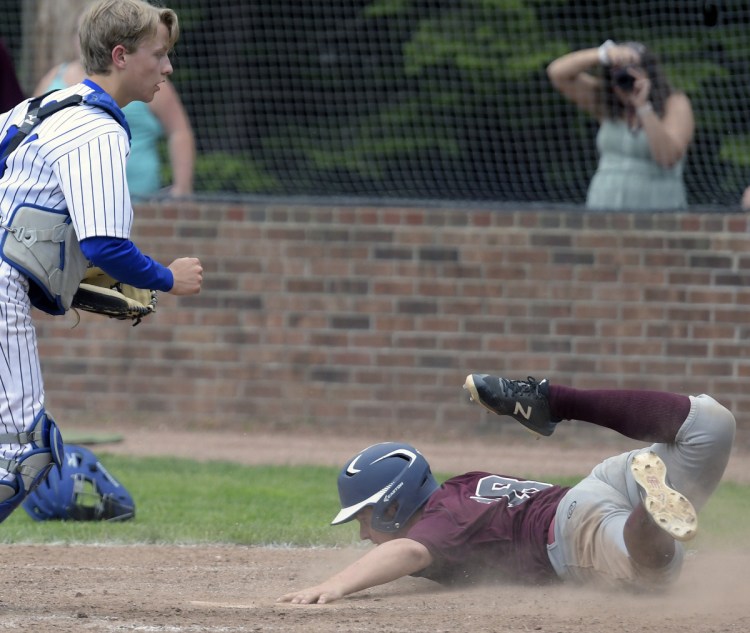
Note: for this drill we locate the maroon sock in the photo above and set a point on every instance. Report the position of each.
(649, 416)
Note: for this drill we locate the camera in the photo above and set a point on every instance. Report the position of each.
(622, 78)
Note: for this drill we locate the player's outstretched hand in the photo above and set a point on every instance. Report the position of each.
(188, 276)
(320, 594)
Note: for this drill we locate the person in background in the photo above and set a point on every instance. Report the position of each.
(10, 90)
(645, 127)
(746, 199)
(164, 117)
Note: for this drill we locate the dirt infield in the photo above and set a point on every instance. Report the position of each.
(223, 589)
(232, 589)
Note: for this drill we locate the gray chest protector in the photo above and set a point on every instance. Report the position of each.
(40, 242)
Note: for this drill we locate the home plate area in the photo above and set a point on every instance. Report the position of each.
(66, 589)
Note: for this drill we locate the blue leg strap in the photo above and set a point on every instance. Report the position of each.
(31, 468)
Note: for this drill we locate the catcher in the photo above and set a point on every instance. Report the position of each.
(622, 526)
(64, 203)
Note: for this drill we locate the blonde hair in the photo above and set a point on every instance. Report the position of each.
(109, 23)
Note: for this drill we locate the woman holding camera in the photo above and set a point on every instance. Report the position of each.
(645, 127)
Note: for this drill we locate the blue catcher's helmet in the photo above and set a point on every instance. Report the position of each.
(393, 478)
(80, 490)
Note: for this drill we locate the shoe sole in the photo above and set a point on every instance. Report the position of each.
(669, 509)
(474, 394)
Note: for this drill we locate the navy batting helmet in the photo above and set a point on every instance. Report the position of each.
(393, 478)
(81, 490)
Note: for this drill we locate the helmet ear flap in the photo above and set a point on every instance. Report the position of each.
(413, 487)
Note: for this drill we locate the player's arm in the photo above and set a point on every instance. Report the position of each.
(387, 562)
(122, 260)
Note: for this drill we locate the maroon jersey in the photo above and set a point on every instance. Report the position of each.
(481, 526)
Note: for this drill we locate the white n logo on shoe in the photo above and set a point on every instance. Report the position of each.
(526, 413)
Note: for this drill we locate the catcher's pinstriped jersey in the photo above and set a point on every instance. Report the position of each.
(74, 159)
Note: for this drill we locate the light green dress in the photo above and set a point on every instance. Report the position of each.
(627, 178)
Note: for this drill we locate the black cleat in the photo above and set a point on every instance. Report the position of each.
(523, 400)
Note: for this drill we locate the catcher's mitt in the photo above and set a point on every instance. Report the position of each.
(102, 294)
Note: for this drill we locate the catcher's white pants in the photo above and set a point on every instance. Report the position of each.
(589, 544)
(21, 387)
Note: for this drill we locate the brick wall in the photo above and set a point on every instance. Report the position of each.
(333, 317)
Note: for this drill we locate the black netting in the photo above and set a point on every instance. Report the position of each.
(437, 99)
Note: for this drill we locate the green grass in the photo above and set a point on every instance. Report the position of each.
(183, 501)
(180, 501)
(724, 519)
